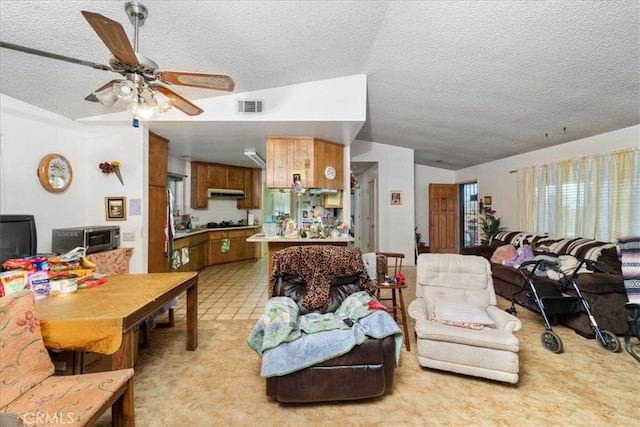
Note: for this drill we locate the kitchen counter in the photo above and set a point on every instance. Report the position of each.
(260, 237)
(277, 243)
(184, 233)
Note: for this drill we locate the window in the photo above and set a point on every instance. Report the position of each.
(469, 214)
(175, 184)
(592, 197)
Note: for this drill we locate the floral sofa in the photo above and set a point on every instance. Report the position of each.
(603, 289)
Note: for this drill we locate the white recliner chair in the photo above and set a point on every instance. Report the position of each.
(459, 328)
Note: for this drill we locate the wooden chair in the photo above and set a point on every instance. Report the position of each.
(386, 269)
(30, 392)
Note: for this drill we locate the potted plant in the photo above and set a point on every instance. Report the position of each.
(490, 225)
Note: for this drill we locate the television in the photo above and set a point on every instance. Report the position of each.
(18, 237)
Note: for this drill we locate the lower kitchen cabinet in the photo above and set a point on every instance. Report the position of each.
(197, 249)
(230, 246)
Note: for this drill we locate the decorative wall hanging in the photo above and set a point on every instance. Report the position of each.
(113, 167)
(396, 197)
(115, 208)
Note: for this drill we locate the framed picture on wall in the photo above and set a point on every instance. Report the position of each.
(115, 208)
(396, 197)
(488, 200)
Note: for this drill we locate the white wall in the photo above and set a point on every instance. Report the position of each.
(29, 133)
(395, 173)
(425, 175)
(496, 179)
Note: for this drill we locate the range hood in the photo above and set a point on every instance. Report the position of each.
(315, 191)
(223, 193)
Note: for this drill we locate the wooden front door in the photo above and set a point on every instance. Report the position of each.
(443, 218)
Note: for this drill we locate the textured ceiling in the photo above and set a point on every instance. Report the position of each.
(461, 82)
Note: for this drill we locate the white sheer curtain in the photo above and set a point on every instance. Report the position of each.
(593, 197)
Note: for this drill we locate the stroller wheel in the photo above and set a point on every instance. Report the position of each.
(609, 341)
(551, 341)
(511, 310)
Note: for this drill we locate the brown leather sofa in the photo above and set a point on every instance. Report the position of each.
(366, 371)
(603, 289)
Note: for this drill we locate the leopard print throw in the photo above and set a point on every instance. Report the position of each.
(318, 265)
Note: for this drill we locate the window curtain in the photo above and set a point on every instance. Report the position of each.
(594, 197)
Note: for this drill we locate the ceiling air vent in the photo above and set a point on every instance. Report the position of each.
(249, 106)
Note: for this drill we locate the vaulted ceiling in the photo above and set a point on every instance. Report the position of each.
(461, 82)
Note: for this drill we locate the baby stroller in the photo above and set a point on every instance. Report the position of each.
(551, 300)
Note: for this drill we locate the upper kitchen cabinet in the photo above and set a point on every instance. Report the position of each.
(158, 160)
(319, 162)
(252, 189)
(217, 175)
(225, 176)
(213, 175)
(235, 178)
(199, 185)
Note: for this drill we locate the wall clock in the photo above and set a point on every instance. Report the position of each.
(330, 172)
(55, 173)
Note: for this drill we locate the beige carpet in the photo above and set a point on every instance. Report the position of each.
(219, 384)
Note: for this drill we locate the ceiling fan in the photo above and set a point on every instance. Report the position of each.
(141, 86)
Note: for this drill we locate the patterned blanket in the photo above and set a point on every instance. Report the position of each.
(629, 253)
(288, 342)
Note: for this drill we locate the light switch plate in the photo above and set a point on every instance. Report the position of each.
(129, 237)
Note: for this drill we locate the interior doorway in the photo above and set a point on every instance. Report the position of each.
(443, 218)
(372, 192)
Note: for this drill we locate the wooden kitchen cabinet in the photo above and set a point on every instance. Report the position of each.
(197, 246)
(310, 156)
(256, 189)
(212, 175)
(179, 245)
(158, 160)
(235, 178)
(252, 189)
(239, 248)
(217, 175)
(215, 254)
(198, 251)
(199, 196)
(157, 261)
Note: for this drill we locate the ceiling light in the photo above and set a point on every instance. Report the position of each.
(143, 101)
(124, 90)
(162, 102)
(106, 96)
(255, 157)
(140, 109)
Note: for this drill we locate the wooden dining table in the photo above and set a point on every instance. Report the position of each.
(104, 319)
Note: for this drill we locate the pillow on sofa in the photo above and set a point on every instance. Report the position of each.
(461, 314)
(504, 253)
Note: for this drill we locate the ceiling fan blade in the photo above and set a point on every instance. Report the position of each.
(207, 81)
(54, 56)
(178, 101)
(113, 36)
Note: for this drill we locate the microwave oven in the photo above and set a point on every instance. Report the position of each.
(94, 238)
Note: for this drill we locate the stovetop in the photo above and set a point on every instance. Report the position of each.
(225, 224)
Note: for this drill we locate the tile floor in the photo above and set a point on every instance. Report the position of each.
(234, 291)
(238, 291)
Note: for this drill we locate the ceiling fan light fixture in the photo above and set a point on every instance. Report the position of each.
(162, 102)
(106, 97)
(124, 90)
(140, 109)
